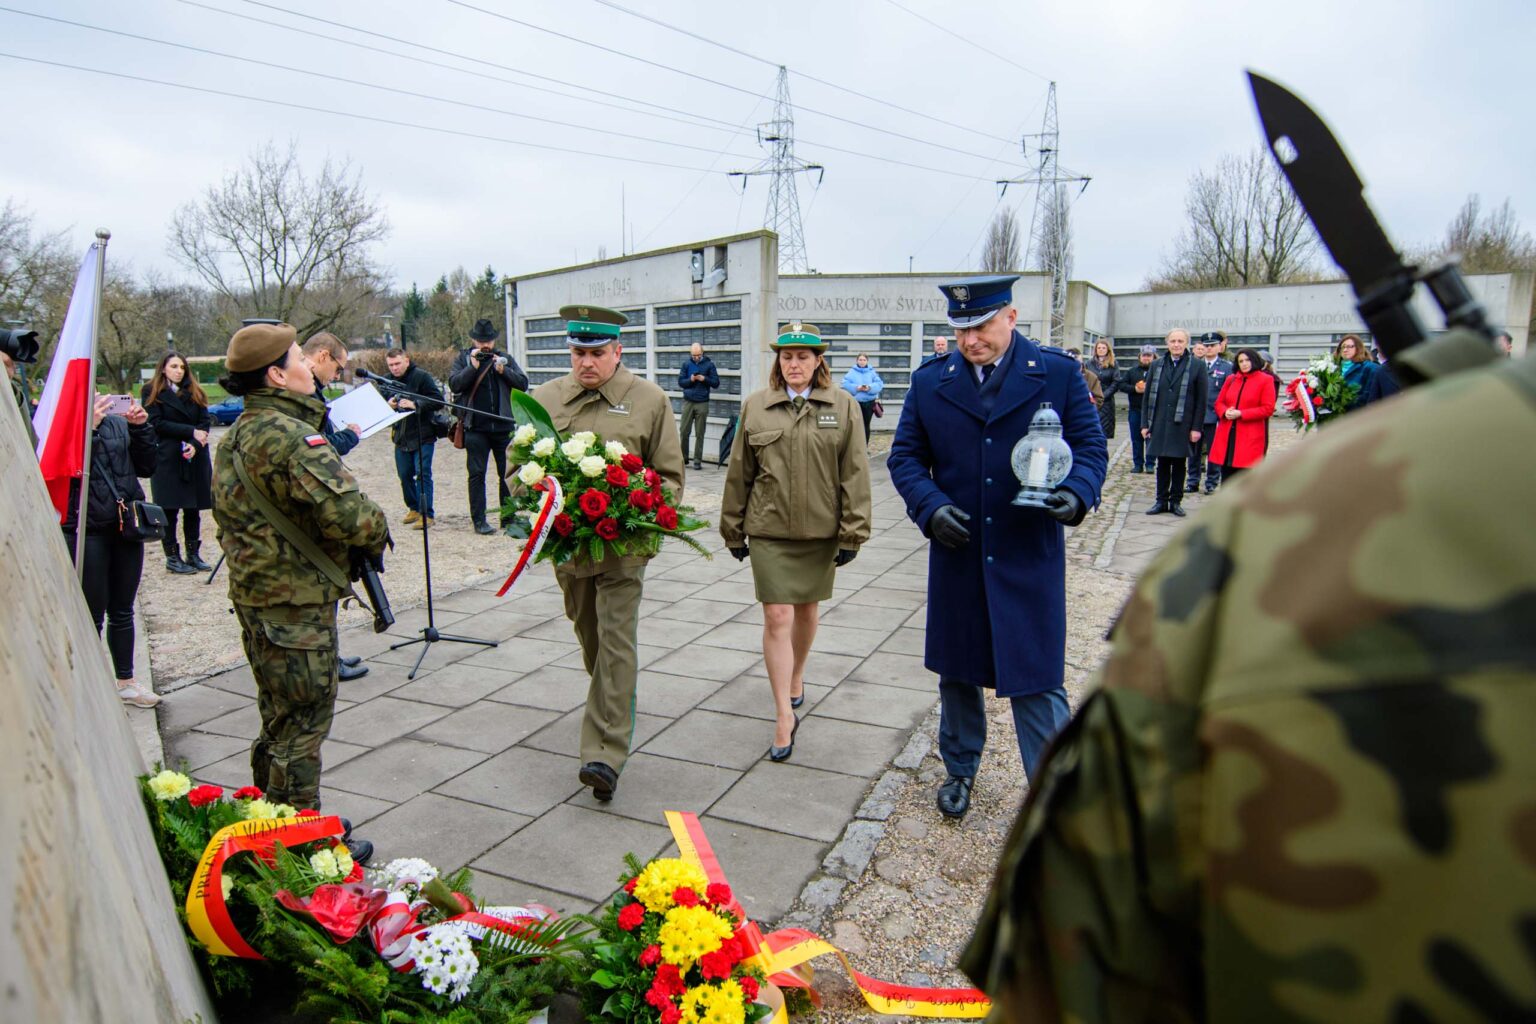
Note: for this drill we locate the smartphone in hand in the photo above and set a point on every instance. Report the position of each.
(118, 405)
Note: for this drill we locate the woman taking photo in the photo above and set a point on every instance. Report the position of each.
(798, 491)
(1102, 365)
(1358, 368)
(1243, 408)
(122, 450)
(183, 477)
(864, 384)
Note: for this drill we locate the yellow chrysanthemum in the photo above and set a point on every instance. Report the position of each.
(688, 933)
(169, 785)
(714, 1004)
(662, 877)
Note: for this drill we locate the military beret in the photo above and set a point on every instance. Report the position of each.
(798, 335)
(591, 326)
(259, 345)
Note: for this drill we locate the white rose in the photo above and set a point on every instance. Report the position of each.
(592, 465)
(545, 448)
(615, 450)
(585, 437)
(575, 448)
(524, 435)
(531, 473)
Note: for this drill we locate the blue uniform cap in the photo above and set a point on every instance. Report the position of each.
(978, 299)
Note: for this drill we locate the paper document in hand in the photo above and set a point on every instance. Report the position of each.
(364, 406)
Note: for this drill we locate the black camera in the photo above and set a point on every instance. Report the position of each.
(21, 346)
(365, 570)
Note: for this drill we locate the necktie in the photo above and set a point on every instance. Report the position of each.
(986, 372)
(799, 402)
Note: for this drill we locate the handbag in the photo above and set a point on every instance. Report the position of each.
(136, 520)
(457, 433)
(879, 410)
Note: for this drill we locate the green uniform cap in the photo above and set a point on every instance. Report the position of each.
(798, 335)
(591, 326)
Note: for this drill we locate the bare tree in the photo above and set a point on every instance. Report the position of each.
(1055, 254)
(37, 274)
(269, 240)
(1244, 226)
(1001, 251)
(1490, 243)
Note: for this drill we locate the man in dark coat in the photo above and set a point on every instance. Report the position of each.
(1173, 418)
(414, 437)
(1209, 348)
(1135, 385)
(697, 377)
(487, 430)
(996, 574)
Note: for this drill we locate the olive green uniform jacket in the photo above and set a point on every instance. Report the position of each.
(627, 409)
(798, 474)
(1303, 791)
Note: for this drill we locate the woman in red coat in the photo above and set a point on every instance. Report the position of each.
(1243, 408)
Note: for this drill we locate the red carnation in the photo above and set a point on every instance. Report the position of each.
(616, 477)
(629, 886)
(593, 502)
(631, 916)
(248, 793)
(684, 896)
(641, 500)
(715, 965)
(564, 524)
(200, 795)
(652, 478)
(732, 949)
(748, 986)
(649, 956)
(666, 517)
(718, 894)
(670, 1014)
(608, 529)
(659, 999)
(670, 980)
(632, 463)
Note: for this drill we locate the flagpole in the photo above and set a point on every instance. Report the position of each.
(102, 235)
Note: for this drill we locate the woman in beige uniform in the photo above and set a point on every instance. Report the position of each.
(798, 489)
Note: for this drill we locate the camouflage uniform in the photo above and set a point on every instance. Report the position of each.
(1304, 791)
(19, 392)
(287, 606)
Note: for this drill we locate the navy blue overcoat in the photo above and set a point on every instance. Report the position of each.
(996, 607)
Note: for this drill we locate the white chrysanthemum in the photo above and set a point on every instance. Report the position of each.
(404, 871)
(323, 863)
(1313, 382)
(586, 437)
(226, 885)
(531, 473)
(258, 809)
(524, 435)
(169, 785)
(592, 465)
(545, 448)
(615, 450)
(575, 448)
(284, 811)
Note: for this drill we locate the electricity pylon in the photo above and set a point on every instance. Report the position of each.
(782, 215)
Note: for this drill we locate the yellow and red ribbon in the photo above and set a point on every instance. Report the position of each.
(784, 955)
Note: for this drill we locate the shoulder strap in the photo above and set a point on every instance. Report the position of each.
(478, 380)
(285, 526)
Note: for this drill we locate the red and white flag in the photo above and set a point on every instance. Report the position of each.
(69, 392)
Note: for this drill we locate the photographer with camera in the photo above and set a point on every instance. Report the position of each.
(19, 347)
(414, 440)
(484, 379)
(289, 516)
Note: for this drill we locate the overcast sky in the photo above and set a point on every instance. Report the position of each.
(1431, 99)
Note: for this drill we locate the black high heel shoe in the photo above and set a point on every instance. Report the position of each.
(795, 702)
(782, 753)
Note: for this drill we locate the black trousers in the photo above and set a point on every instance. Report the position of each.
(1170, 480)
(113, 567)
(867, 410)
(191, 530)
(1200, 458)
(478, 444)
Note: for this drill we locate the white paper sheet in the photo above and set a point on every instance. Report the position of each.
(364, 406)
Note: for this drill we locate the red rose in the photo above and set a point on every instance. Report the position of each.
(670, 980)
(652, 478)
(617, 477)
(715, 965)
(670, 1014)
(608, 529)
(631, 916)
(632, 463)
(718, 894)
(641, 500)
(666, 517)
(748, 986)
(201, 795)
(564, 524)
(629, 886)
(593, 502)
(649, 956)
(247, 793)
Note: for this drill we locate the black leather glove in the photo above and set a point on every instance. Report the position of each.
(739, 553)
(844, 556)
(947, 526)
(1064, 506)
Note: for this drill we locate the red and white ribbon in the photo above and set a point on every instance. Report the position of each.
(543, 521)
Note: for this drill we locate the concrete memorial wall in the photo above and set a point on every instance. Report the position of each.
(91, 934)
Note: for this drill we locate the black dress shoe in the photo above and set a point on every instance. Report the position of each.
(360, 849)
(955, 796)
(1157, 509)
(782, 753)
(601, 778)
(1210, 488)
(345, 671)
(1177, 510)
(484, 527)
(351, 660)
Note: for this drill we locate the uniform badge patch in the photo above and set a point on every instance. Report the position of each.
(826, 420)
(622, 409)
(315, 440)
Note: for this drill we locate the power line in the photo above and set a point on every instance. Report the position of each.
(808, 77)
(969, 41)
(702, 178)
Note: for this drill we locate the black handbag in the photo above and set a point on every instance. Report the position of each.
(136, 520)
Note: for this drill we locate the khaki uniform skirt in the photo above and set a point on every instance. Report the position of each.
(793, 571)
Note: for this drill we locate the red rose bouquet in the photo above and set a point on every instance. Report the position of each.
(1318, 394)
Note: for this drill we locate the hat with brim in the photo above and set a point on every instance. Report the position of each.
(798, 335)
(591, 326)
(975, 301)
(483, 330)
(259, 345)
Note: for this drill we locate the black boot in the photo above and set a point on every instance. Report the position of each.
(195, 560)
(173, 562)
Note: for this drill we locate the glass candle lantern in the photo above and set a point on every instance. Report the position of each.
(1041, 459)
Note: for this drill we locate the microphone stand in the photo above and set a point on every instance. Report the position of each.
(430, 634)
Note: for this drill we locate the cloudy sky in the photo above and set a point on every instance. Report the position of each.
(1431, 99)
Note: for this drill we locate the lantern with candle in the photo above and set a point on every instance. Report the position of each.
(1041, 459)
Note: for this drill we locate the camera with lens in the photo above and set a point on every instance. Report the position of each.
(366, 567)
(21, 346)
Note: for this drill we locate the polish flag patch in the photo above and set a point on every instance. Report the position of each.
(315, 440)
